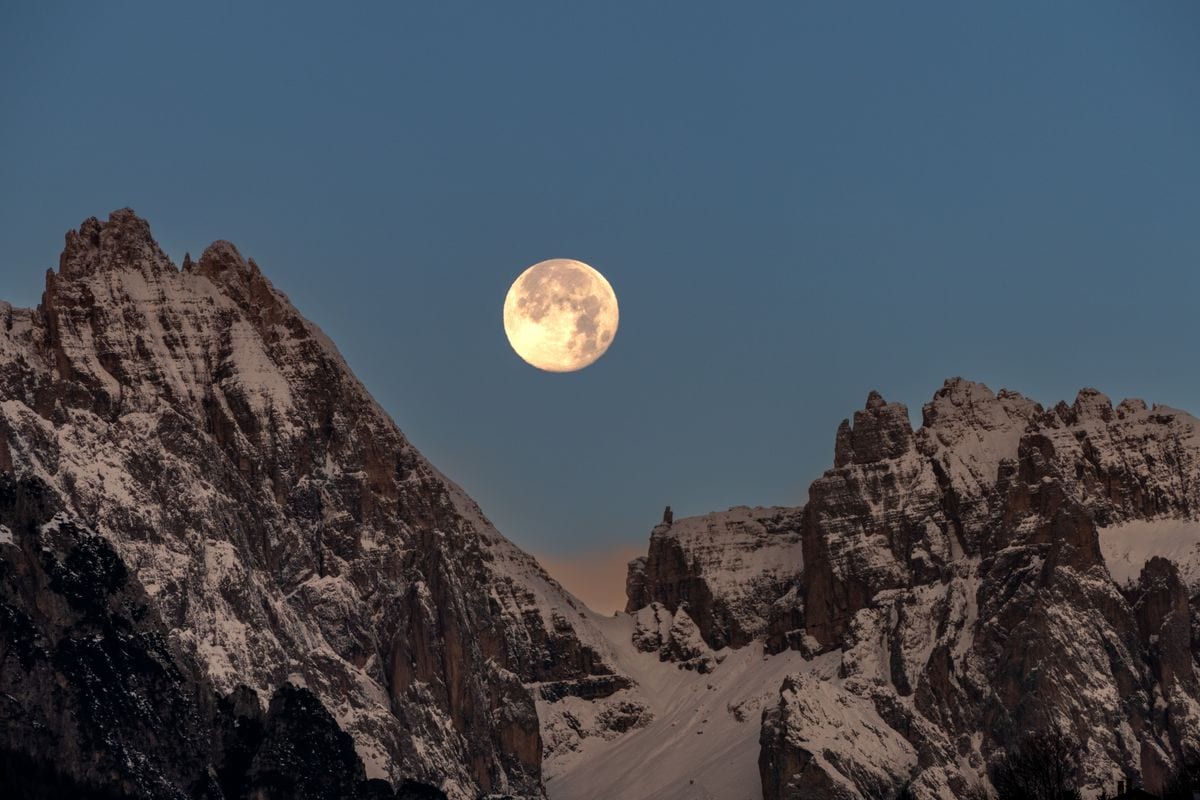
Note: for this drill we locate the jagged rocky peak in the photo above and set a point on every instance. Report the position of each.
(123, 242)
(881, 430)
(125, 330)
(962, 404)
(219, 257)
(224, 265)
(970, 576)
(1130, 406)
(968, 431)
(1092, 404)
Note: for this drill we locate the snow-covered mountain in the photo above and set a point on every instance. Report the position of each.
(1001, 569)
(202, 509)
(281, 525)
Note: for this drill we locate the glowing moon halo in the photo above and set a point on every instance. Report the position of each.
(560, 315)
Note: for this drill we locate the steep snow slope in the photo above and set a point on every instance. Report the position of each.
(699, 736)
(1128, 546)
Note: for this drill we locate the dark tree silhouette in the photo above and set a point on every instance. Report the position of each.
(1041, 766)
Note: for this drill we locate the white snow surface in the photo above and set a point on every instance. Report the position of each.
(703, 740)
(1128, 546)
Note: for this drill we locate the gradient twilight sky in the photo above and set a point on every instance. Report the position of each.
(795, 203)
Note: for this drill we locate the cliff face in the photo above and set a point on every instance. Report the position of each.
(85, 672)
(724, 569)
(98, 704)
(956, 574)
(282, 526)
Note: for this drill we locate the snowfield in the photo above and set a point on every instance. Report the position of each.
(1128, 546)
(702, 743)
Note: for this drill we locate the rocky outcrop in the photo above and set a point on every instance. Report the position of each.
(1164, 625)
(674, 636)
(728, 568)
(824, 743)
(874, 524)
(283, 527)
(880, 431)
(1131, 462)
(636, 591)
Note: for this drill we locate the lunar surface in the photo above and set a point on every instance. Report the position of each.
(560, 315)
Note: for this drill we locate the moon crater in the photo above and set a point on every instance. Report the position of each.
(560, 315)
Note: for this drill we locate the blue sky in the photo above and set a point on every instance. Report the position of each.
(796, 203)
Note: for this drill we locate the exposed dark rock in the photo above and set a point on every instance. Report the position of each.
(1164, 624)
(636, 595)
(86, 675)
(303, 753)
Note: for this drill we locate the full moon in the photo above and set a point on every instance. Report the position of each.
(560, 315)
